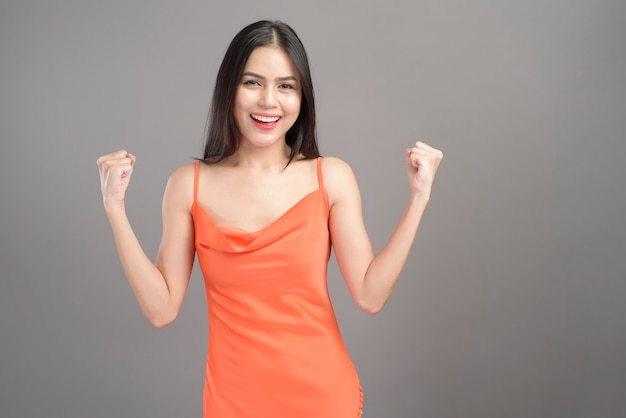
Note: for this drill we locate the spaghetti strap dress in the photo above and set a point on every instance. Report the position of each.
(274, 346)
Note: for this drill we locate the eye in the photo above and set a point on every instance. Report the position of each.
(286, 86)
(251, 83)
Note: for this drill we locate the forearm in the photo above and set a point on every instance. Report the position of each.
(384, 270)
(146, 280)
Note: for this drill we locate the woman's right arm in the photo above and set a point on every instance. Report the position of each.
(159, 287)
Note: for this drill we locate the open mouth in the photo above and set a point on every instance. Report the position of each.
(265, 119)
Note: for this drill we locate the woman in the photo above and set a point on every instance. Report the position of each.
(261, 210)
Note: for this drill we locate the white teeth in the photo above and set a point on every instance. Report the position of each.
(265, 118)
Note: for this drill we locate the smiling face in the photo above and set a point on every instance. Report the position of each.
(268, 98)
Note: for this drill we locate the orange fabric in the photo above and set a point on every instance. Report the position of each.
(274, 349)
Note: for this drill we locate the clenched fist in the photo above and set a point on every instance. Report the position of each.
(115, 171)
(422, 162)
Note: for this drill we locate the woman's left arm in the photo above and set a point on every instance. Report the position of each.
(370, 277)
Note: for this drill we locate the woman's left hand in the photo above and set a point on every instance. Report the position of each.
(422, 162)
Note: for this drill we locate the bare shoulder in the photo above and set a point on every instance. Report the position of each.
(183, 173)
(182, 177)
(336, 169)
(339, 179)
(179, 189)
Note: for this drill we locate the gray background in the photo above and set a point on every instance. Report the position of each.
(513, 301)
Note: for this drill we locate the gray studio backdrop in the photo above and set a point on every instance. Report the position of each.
(513, 301)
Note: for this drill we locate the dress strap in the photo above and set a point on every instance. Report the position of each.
(320, 177)
(195, 181)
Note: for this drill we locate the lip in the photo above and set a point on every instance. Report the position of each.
(265, 126)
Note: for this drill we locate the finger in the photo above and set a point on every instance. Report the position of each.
(427, 148)
(125, 161)
(411, 157)
(113, 156)
(423, 145)
(427, 152)
(122, 165)
(421, 158)
(120, 168)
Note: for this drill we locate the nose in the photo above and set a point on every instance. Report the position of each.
(268, 97)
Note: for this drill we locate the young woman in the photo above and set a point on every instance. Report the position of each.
(262, 210)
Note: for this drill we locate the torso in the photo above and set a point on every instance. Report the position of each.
(274, 346)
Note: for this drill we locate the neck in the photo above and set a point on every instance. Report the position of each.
(274, 157)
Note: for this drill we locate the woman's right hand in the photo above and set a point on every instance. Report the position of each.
(115, 172)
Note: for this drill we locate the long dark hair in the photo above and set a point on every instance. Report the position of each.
(222, 135)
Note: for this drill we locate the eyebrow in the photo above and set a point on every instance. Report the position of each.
(255, 75)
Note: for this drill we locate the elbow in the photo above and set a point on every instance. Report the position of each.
(370, 307)
(161, 321)
(159, 324)
(368, 302)
(372, 310)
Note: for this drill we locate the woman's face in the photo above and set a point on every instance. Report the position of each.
(268, 98)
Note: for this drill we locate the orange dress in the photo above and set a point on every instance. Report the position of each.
(275, 350)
